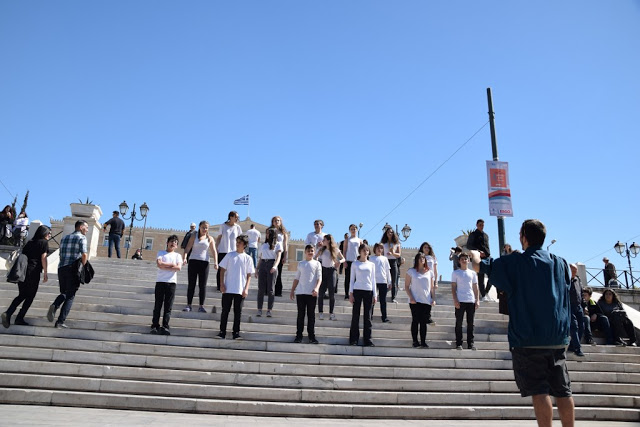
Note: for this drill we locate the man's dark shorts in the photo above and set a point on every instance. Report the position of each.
(541, 371)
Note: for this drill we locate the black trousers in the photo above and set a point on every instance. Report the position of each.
(347, 278)
(361, 298)
(27, 291)
(382, 298)
(165, 294)
(220, 258)
(266, 283)
(419, 315)
(198, 270)
(278, 287)
(329, 283)
(470, 309)
(227, 301)
(393, 266)
(481, 286)
(306, 305)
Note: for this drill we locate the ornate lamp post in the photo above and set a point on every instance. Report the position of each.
(406, 231)
(144, 210)
(630, 252)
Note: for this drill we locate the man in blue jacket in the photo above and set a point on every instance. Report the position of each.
(537, 284)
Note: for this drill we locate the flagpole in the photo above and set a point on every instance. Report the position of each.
(248, 204)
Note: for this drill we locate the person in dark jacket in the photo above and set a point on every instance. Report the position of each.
(479, 241)
(538, 338)
(36, 251)
(594, 319)
(611, 307)
(577, 315)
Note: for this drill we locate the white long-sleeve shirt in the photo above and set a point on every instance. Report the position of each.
(383, 269)
(363, 277)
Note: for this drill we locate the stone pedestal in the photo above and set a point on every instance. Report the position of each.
(93, 235)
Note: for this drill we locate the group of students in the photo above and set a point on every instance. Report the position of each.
(13, 229)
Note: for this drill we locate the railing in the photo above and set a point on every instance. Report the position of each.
(595, 277)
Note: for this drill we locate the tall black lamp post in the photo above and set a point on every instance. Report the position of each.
(630, 252)
(144, 210)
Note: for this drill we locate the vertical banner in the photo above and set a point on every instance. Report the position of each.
(499, 192)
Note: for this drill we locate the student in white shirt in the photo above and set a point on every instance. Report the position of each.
(235, 276)
(419, 287)
(226, 240)
(351, 244)
(196, 255)
(383, 278)
(305, 289)
(393, 252)
(270, 254)
(169, 262)
(254, 243)
(466, 299)
(330, 258)
(432, 265)
(362, 291)
(283, 239)
(315, 237)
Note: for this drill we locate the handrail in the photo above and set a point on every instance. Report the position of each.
(633, 278)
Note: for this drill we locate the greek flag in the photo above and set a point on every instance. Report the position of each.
(244, 200)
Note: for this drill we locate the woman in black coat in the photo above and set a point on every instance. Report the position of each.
(36, 251)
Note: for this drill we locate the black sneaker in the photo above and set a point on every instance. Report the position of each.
(416, 344)
(369, 344)
(6, 320)
(51, 314)
(313, 341)
(153, 331)
(164, 331)
(353, 343)
(297, 340)
(386, 321)
(472, 347)
(579, 353)
(424, 345)
(430, 322)
(236, 337)
(21, 322)
(220, 336)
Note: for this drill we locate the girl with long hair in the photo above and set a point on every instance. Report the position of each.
(283, 239)
(418, 284)
(432, 265)
(330, 258)
(611, 307)
(226, 240)
(36, 251)
(393, 252)
(201, 245)
(383, 278)
(270, 255)
(362, 291)
(351, 248)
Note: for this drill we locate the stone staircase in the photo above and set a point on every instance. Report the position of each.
(108, 359)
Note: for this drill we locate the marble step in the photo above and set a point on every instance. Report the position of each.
(323, 410)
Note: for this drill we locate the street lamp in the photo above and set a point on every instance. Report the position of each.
(630, 252)
(360, 228)
(144, 210)
(406, 231)
(549, 245)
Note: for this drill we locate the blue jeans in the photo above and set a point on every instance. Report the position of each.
(114, 239)
(577, 327)
(253, 253)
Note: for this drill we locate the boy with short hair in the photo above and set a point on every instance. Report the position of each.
(169, 262)
(309, 278)
(464, 287)
(236, 269)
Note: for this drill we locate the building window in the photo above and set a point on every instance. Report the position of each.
(148, 243)
(105, 241)
(127, 242)
(299, 254)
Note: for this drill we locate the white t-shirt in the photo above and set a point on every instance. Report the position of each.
(228, 239)
(266, 253)
(314, 238)
(237, 266)
(168, 276)
(464, 280)
(431, 262)
(200, 249)
(420, 286)
(396, 248)
(352, 244)
(325, 259)
(363, 277)
(253, 235)
(383, 269)
(308, 274)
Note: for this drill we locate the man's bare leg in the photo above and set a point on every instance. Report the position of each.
(543, 408)
(566, 410)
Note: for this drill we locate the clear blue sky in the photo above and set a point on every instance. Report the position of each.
(334, 110)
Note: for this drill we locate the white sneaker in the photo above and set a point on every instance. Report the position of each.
(321, 316)
(268, 313)
(485, 298)
(259, 313)
(332, 317)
